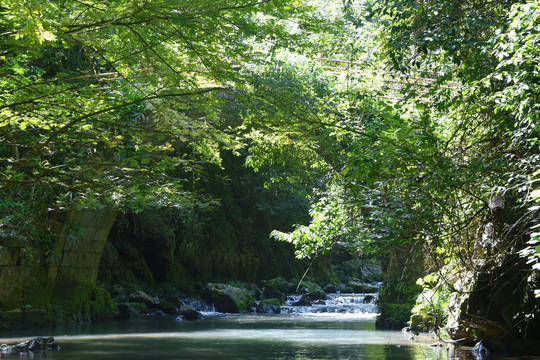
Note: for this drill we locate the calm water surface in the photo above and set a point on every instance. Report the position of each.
(343, 327)
(286, 336)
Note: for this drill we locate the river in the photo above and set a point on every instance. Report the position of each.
(343, 328)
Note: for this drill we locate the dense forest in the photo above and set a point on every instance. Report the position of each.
(179, 141)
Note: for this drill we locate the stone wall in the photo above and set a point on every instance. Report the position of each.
(31, 277)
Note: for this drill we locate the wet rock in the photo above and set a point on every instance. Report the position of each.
(127, 311)
(142, 297)
(188, 312)
(480, 351)
(347, 290)
(302, 302)
(330, 289)
(269, 306)
(168, 307)
(254, 291)
(228, 298)
(369, 299)
(316, 295)
(276, 294)
(361, 288)
(279, 284)
(36, 344)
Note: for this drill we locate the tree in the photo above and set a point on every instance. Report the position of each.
(117, 103)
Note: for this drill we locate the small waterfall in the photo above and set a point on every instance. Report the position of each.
(335, 303)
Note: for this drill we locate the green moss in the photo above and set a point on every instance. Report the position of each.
(274, 302)
(87, 299)
(431, 309)
(396, 300)
(394, 316)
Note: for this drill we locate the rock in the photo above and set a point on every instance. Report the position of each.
(347, 290)
(417, 323)
(142, 297)
(254, 291)
(369, 299)
(189, 313)
(316, 295)
(126, 311)
(36, 344)
(361, 288)
(269, 306)
(278, 284)
(276, 294)
(227, 298)
(480, 351)
(330, 289)
(168, 307)
(302, 302)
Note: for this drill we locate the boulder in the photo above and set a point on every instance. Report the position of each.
(330, 289)
(276, 294)
(316, 295)
(127, 311)
(369, 299)
(480, 351)
(168, 307)
(361, 288)
(227, 298)
(254, 291)
(36, 344)
(142, 297)
(269, 306)
(188, 312)
(302, 302)
(279, 284)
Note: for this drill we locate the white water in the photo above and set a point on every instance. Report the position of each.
(335, 304)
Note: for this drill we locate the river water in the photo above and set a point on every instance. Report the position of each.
(342, 328)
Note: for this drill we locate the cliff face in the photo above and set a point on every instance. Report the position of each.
(33, 280)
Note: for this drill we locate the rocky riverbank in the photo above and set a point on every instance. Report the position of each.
(188, 301)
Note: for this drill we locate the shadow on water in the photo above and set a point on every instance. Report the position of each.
(317, 334)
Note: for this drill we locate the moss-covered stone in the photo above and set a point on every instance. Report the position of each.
(362, 288)
(269, 306)
(228, 298)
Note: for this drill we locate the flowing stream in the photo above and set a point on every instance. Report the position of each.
(342, 327)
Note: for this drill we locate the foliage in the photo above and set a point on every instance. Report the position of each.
(98, 99)
(431, 310)
(395, 301)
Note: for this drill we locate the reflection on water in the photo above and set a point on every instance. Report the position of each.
(288, 336)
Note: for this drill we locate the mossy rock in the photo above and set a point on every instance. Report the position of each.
(269, 306)
(361, 288)
(279, 284)
(316, 295)
(188, 312)
(276, 294)
(127, 311)
(168, 307)
(330, 289)
(302, 302)
(228, 298)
